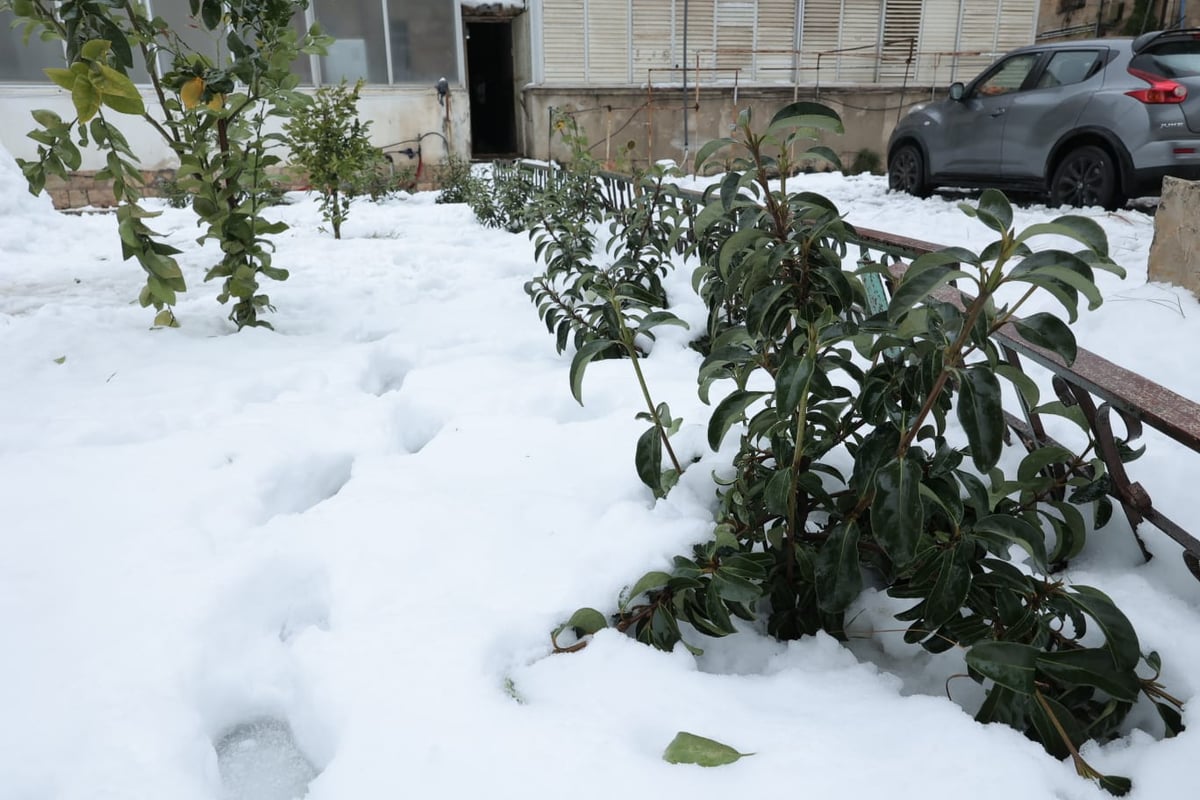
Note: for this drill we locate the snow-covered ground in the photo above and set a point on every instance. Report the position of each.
(234, 565)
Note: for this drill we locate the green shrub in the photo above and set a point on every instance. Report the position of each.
(869, 443)
(329, 141)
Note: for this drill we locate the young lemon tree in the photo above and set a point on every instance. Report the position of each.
(212, 112)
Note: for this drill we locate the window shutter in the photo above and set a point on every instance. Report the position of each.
(819, 33)
(860, 29)
(607, 41)
(652, 26)
(1018, 19)
(979, 19)
(777, 36)
(735, 39)
(563, 41)
(701, 36)
(901, 37)
(939, 40)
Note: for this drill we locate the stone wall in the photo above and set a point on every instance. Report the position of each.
(652, 120)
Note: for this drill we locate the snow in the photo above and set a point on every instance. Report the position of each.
(331, 555)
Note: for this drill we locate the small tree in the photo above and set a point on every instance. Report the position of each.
(212, 114)
(328, 140)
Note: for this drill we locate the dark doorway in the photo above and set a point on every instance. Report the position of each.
(490, 77)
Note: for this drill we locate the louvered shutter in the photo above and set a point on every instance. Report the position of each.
(701, 37)
(860, 31)
(776, 41)
(607, 41)
(939, 41)
(563, 42)
(652, 23)
(978, 35)
(1018, 19)
(819, 33)
(901, 37)
(735, 38)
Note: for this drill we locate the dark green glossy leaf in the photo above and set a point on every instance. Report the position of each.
(792, 382)
(1008, 664)
(729, 411)
(950, 587)
(587, 620)
(1048, 331)
(916, 287)
(1121, 640)
(648, 460)
(1014, 530)
(579, 364)
(1084, 230)
(897, 514)
(838, 575)
(1091, 667)
(981, 415)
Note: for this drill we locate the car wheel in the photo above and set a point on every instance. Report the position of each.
(906, 171)
(1087, 176)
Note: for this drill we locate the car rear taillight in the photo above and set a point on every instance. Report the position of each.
(1161, 90)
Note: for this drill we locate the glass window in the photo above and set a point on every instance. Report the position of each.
(24, 62)
(177, 15)
(359, 50)
(1170, 59)
(1067, 67)
(1008, 76)
(423, 40)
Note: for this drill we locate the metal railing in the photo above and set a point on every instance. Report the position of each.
(1097, 386)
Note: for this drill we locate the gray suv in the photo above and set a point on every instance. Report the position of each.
(1089, 122)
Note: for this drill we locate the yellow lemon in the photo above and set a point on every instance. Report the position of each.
(191, 92)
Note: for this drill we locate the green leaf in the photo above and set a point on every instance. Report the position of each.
(916, 288)
(995, 211)
(587, 621)
(63, 78)
(805, 114)
(688, 748)
(1016, 531)
(85, 98)
(981, 415)
(1048, 331)
(951, 586)
(1084, 230)
(95, 50)
(60, 360)
(1091, 667)
(651, 580)
(1048, 732)
(791, 382)
(729, 411)
(1116, 785)
(579, 363)
(706, 152)
(1042, 458)
(1121, 641)
(1008, 664)
(838, 575)
(648, 460)
(897, 514)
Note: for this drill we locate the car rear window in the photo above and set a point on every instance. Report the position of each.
(1175, 59)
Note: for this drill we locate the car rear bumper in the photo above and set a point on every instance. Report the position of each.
(1154, 161)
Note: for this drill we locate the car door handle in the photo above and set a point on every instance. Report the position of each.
(998, 112)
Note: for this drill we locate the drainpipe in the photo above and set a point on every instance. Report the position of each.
(685, 69)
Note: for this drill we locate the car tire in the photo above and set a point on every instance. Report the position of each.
(906, 171)
(1086, 176)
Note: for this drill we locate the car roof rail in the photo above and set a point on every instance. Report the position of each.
(1143, 41)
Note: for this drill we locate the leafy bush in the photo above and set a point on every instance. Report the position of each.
(870, 440)
(456, 181)
(213, 116)
(331, 144)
